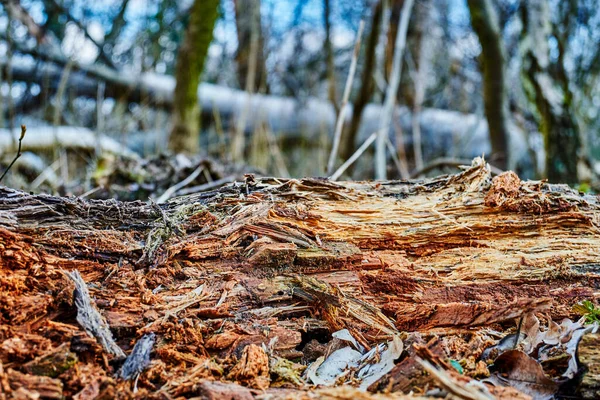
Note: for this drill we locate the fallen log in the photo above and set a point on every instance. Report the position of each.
(40, 138)
(445, 132)
(247, 284)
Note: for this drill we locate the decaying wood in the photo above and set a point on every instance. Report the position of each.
(243, 284)
(90, 319)
(139, 358)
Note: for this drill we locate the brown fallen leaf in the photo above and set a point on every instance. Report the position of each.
(515, 368)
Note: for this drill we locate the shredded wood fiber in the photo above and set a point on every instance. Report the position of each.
(237, 292)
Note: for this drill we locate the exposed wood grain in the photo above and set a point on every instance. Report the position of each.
(279, 262)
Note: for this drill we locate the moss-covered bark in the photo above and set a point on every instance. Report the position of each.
(547, 87)
(190, 62)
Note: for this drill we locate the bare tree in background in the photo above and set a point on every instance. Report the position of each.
(391, 91)
(422, 22)
(547, 86)
(247, 20)
(190, 63)
(485, 24)
(331, 82)
(347, 144)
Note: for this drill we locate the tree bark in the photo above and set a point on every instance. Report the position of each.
(549, 92)
(184, 137)
(276, 263)
(485, 24)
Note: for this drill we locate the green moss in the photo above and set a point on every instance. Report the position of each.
(287, 371)
(588, 310)
(53, 364)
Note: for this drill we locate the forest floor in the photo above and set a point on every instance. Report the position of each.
(461, 286)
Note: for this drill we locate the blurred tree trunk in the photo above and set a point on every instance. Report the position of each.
(331, 82)
(547, 86)
(485, 24)
(395, 8)
(419, 46)
(348, 140)
(190, 63)
(248, 19)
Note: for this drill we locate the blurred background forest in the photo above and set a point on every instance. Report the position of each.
(111, 90)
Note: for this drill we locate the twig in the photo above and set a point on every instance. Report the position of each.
(118, 24)
(353, 157)
(463, 392)
(519, 327)
(170, 191)
(450, 162)
(341, 116)
(392, 90)
(16, 11)
(99, 115)
(207, 176)
(220, 132)
(58, 108)
(48, 173)
(400, 150)
(23, 130)
(207, 186)
(397, 161)
(276, 153)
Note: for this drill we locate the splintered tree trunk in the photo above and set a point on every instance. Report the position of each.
(485, 24)
(240, 283)
(184, 137)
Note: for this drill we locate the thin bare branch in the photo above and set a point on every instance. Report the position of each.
(341, 116)
(171, 191)
(23, 130)
(335, 176)
(392, 89)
